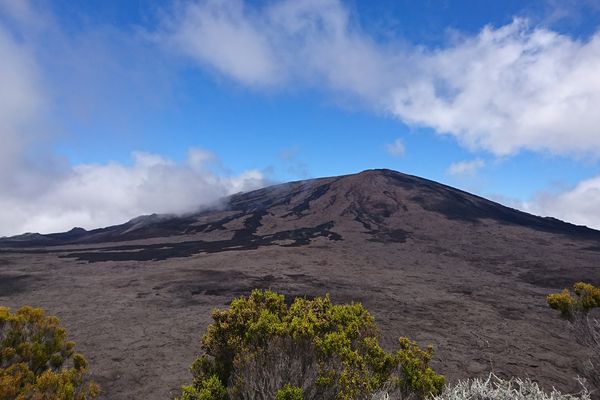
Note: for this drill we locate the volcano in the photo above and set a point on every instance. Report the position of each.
(431, 262)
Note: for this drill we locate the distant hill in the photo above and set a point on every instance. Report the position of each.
(385, 205)
(430, 261)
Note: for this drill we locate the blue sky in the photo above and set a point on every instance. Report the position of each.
(113, 109)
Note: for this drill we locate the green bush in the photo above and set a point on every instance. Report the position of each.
(259, 344)
(576, 306)
(210, 388)
(36, 360)
(582, 299)
(289, 392)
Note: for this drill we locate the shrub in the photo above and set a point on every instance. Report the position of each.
(289, 392)
(210, 388)
(581, 300)
(575, 306)
(259, 346)
(494, 388)
(36, 360)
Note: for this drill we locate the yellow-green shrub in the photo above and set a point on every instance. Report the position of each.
(583, 298)
(37, 361)
(334, 350)
(576, 306)
(289, 392)
(210, 388)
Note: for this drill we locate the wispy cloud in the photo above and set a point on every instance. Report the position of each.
(578, 204)
(307, 41)
(465, 167)
(293, 165)
(396, 148)
(224, 36)
(22, 107)
(41, 191)
(506, 89)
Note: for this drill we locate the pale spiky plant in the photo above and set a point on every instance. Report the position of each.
(382, 395)
(494, 388)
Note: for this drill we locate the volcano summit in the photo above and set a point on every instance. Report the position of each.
(431, 262)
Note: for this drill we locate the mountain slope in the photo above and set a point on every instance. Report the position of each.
(434, 263)
(386, 205)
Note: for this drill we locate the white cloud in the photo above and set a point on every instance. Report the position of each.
(503, 90)
(221, 35)
(396, 148)
(509, 89)
(22, 109)
(92, 196)
(307, 40)
(465, 167)
(41, 192)
(21, 11)
(578, 205)
(21, 95)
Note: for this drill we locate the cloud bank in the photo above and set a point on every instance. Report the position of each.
(578, 205)
(507, 89)
(21, 102)
(42, 192)
(92, 196)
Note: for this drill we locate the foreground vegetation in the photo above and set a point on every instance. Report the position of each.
(260, 348)
(494, 388)
(577, 306)
(36, 360)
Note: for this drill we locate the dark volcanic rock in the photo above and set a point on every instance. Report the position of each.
(382, 201)
(431, 262)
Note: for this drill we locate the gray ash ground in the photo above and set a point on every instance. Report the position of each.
(439, 265)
